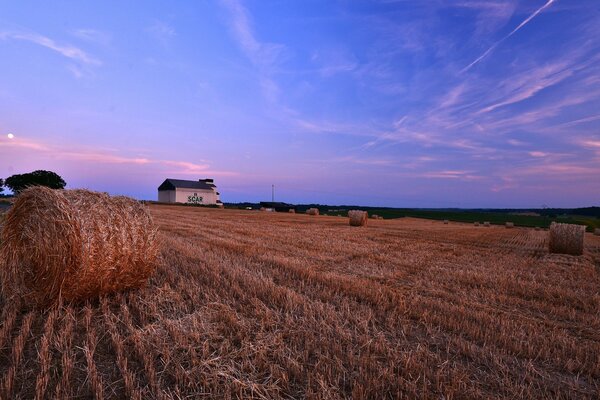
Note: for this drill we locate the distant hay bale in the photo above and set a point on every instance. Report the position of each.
(537, 228)
(358, 217)
(510, 225)
(566, 238)
(597, 231)
(486, 223)
(375, 216)
(75, 244)
(292, 211)
(476, 223)
(312, 211)
(446, 222)
(263, 209)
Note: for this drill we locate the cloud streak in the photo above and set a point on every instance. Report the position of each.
(68, 51)
(496, 44)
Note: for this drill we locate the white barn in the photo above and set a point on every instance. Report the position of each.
(202, 191)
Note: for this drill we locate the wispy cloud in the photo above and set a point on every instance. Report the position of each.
(263, 55)
(85, 155)
(161, 31)
(515, 30)
(66, 50)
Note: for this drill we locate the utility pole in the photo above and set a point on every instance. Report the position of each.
(273, 193)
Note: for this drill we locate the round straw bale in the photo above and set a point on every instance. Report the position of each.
(263, 209)
(486, 223)
(476, 223)
(446, 222)
(75, 244)
(292, 211)
(312, 211)
(358, 217)
(375, 216)
(510, 225)
(537, 228)
(566, 238)
(597, 231)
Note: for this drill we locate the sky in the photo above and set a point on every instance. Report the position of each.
(406, 103)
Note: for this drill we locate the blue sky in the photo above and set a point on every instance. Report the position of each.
(467, 103)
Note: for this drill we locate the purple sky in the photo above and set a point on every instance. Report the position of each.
(403, 103)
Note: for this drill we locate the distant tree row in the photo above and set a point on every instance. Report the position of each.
(17, 183)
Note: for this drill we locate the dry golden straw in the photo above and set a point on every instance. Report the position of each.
(486, 223)
(566, 239)
(476, 223)
(75, 244)
(358, 218)
(510, 225)
(312, 211)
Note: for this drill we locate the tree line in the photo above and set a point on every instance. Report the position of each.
(19, 182)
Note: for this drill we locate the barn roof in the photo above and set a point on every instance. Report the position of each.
(172, 184)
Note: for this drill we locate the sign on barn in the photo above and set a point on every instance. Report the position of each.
(201, 192)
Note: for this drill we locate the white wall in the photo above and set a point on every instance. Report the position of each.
(166, 196)
(181, 196)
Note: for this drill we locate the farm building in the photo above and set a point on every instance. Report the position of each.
(202, 191)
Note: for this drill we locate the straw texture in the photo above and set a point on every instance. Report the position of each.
(566, 238)
(358, 218)
(510, 225)
(75, 244)
(312, 211)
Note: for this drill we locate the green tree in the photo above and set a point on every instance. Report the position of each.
(19, 182)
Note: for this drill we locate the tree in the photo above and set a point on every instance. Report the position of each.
(19, 182)
(1, 185)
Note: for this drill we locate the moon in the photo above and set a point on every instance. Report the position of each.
(10, 136)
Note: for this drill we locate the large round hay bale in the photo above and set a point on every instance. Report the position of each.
(75, 244)
(510, 225)
(312, 211)
(486, 223)
(292, 211)
(358, 218)
(566, 238)
(476, 223)
(446, 222)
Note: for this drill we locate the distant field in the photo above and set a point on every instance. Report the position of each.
(492, 217)
(249, 304)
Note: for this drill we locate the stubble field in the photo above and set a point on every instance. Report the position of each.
(266, 305)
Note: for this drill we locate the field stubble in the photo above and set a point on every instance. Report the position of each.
(268, 305)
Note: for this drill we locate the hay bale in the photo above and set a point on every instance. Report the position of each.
(510, 225)
(292, 211)
(537, 228)
(375, 216)
(476, 223)
(446, 222)
(263, 209)
(75, 244)
(358, 217)
(486, 223)
(597, 231)
(566, 238)
(312, 211)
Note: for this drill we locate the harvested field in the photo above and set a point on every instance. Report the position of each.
(280, 305)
